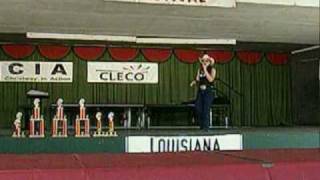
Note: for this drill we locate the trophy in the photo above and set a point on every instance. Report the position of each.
(124, 120)
(99, 132)
(59, 122)
(17, 133)
(36, 126)
(82, 117)
(111, 131)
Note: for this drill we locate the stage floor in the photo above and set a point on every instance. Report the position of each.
(293, 164)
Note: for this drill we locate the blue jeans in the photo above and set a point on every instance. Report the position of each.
(202, 106)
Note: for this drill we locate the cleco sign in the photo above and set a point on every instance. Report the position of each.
(121, 76)
(113, 72)
(19, 71)
(151, 144)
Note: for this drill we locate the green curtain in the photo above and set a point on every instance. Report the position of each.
(264, 100)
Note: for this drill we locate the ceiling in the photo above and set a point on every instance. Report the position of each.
(250, 24)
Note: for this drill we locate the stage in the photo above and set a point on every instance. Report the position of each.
(252, 138)
(293, 164)
(273, 153)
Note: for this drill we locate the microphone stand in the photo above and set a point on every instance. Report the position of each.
(231, 89)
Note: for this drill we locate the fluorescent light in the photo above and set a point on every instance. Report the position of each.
(305, 49)
(61, 36)
(184, 41)
(310, 59)
(133, 39)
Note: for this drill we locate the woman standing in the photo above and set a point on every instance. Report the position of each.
(204, 79)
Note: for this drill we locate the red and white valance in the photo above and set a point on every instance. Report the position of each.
(89, 52)
(18, 51)
(124, 54)
(278, 58)
(221, 56)
(156, 54)
(54, 52)
(187, 55)
(249, 57)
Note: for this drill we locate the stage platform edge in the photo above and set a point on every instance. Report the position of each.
(253, 138)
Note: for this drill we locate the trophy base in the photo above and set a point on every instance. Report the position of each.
(36, 136)
(22, 135)
(82, 136)
(99, 134)
(59, 136)
(111, 134)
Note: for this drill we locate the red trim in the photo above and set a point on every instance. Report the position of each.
(221, 56)
(18, 51)
(89, 52)
(249, 57)
(123, 54)
(187, 55)
(53, 51)
(156, 54)
(278, 58)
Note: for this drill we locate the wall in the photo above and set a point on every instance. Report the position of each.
(305, 88)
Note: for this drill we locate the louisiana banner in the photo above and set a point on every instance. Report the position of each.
(155, 144)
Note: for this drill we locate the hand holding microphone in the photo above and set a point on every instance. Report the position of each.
(193, 83)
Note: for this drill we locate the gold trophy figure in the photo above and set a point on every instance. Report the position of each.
(111, 131)
(17, 133)
(98, 132)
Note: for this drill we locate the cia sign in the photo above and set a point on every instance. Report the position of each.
(20, 71)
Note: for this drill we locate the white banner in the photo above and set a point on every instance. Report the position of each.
(123, 72)
(22, 71)
(217, 3)
(304, 3)
(151, 144)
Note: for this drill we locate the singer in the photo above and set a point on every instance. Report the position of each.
(204, 79)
